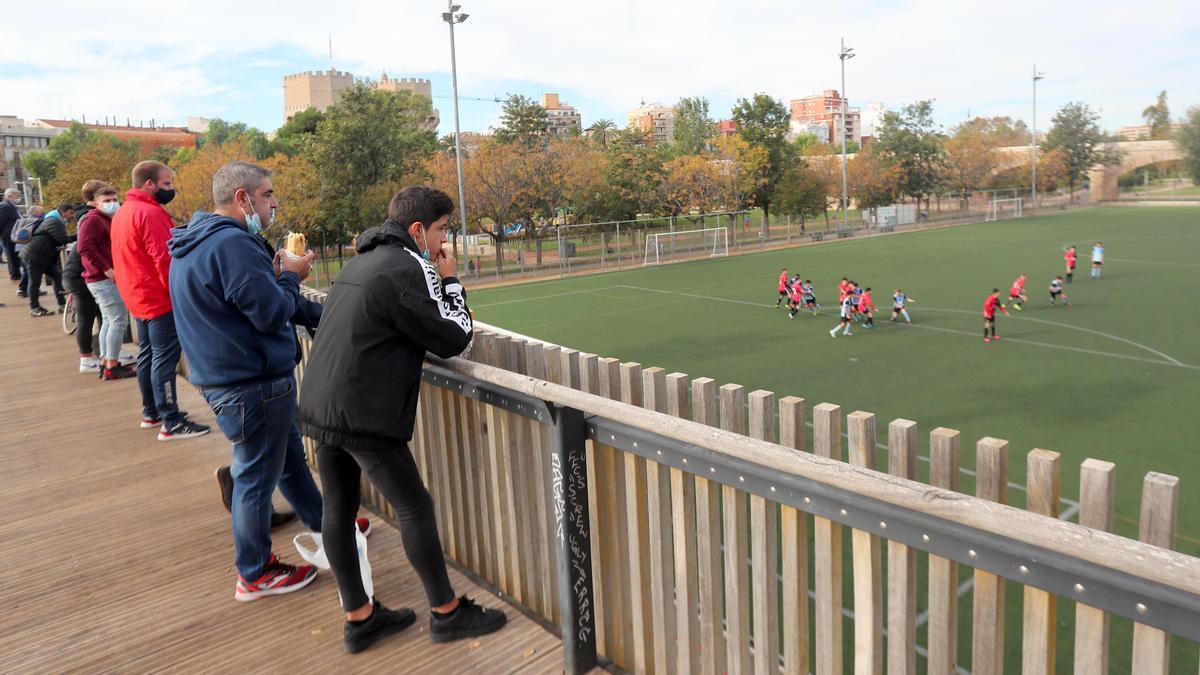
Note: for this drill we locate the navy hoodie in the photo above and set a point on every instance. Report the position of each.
(232, 314)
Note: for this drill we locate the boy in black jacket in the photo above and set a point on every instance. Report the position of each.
(388, 306)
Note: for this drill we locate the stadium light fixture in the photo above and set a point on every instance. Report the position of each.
(451, 18)
(845, 55)
(1033, 140)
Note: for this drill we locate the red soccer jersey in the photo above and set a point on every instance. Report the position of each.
(843, 290)
(1015, 290)
(865, 303)
(794, 292)
(990, 305)
(1069, 256)
(783, 282)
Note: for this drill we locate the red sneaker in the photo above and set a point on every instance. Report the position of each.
(996, 338)
(364, 526)
(987, 339)
(277, 578)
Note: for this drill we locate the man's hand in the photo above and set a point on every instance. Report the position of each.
(447, 266)
(300, 266)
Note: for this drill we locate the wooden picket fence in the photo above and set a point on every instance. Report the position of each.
(694, 572)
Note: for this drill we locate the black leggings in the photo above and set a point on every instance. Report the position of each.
(86, 313)
(394, 473)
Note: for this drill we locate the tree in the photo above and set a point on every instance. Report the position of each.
(298, 189)
(909, 141)
(522, 121)
(1001, 131)
(193, 181)
(221, 132)
(743, 170)
(802, 192)
(1075, 130)
(293, 136)
(822, 163)
(493, 181)
(872, 181)
(693, 126)
(691, 183)
(971, 158)
(62, 149)
(763, 122)
(105, 158)
(369, 138)
(633, 173)
(602, 130)
(1187, 139)
(1158, 116)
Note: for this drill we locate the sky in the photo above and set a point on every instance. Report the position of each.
(227, 59)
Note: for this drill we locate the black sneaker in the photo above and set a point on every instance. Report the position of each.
(185, 429)
(467, 621)
(358, 635)
(40, 311)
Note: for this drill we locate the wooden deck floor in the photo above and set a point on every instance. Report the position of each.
(116, 555)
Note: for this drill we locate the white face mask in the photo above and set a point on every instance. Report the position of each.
(109, 208)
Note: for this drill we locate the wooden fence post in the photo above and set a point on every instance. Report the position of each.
(737, 546)
(794, 541)
(662, 549)
(827, 560)
(1160, 501)
(637, 533)
(708, 542)
(683, 530)
(868, 586)
(987, 625)
(902, 561)
(764, 547)
(1097, 486)
(942, 633)
(1037, 647)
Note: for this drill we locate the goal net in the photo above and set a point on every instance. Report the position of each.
(665, 246)
(999, 209)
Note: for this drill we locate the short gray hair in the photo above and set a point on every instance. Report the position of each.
(236, 175)
(12, 192)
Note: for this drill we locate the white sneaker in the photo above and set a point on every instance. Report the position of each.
(89, 364)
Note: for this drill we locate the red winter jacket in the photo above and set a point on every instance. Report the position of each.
(140, 231)
(95, 245)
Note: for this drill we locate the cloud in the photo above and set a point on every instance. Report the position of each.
(182, 58)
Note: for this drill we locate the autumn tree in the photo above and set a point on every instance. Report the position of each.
(298, 189)
(802, 192)
(633, 172)
(104, 158)
(763, 122)
(193, 181)
(971, 159)
(493, 181)
(44, 164)
(828, 167)
(743, 169)
(873, 182)
(690, 183)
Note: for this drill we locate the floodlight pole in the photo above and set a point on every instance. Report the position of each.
(1033, 139)
(845, 55)
(450, 18)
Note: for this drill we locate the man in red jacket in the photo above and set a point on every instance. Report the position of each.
(140, 230)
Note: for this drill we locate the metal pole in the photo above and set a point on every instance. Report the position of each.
(462, 202)
(572, 537)
(1033, 142)
(844, 55)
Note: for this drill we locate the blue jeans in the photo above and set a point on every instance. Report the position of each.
(158, 357)
(112, 329)
(260, 421)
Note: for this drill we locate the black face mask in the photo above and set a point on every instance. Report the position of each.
(164, 196)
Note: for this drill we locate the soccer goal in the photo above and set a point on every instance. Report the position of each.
(665, 246)
(1004, 208)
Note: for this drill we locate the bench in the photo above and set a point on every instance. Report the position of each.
(817, 236)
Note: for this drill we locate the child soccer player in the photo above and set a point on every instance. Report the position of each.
(783, 287)
(1056, 291)
(1069, 256)
(899, 300)
(847, 317)
(1097, 259)
(794, 295)
(1016, 294)
(844, 287)
(809, 298)
(866, 307)
(989, 315)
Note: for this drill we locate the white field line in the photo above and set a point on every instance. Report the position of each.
(1154, 262)
(546, 297)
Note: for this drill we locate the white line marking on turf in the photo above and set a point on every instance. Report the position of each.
(546, 297)
(694, 295)
(1154, 262)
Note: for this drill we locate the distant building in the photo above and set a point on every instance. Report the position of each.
(655, 119)
(147, 137)
(471, 141)
(563, 116)
(826, 110)
(17, 138)
(1140, 132)
(872, 121)
(322, 89)
(797, 128)
(198, 125)
(726, 128)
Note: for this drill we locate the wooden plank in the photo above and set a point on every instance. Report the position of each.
(987, 626)
(1160, 505)
(942, 631)
(610, 476)
(714, 656)
(827, 557)
(488, 503)
(472, 483)
(735, 528)
(589, 381)
(683, 532)
(1042, 494)
(568, 368)
(540, 524)
(867, 562)
(662, 548)
(794, 542)
(507, 575)
(1097, 489)
(526, 499)
(764, 548)
(448, 411)
(638, 535)
(902, 561)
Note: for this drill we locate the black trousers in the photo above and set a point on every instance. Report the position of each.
(394, 473)
(36, 272)
(86, 312)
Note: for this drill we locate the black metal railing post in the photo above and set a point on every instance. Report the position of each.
(573, 539)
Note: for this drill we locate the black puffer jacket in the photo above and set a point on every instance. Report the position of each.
(384, 311)
(50, 236)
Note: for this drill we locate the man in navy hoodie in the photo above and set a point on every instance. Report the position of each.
(235, 303)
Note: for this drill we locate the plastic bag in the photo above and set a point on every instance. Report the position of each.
(316, 556)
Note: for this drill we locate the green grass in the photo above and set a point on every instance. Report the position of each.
(1189, 191)
(1115, 377)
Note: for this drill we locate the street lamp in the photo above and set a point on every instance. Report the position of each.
(452, 18)
(845, 55)
(1033, 138)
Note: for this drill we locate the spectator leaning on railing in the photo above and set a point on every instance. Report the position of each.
(41, 256)
(9, 215)
(388, 306)
(140, 231)
(36, 213)
(235, 304)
